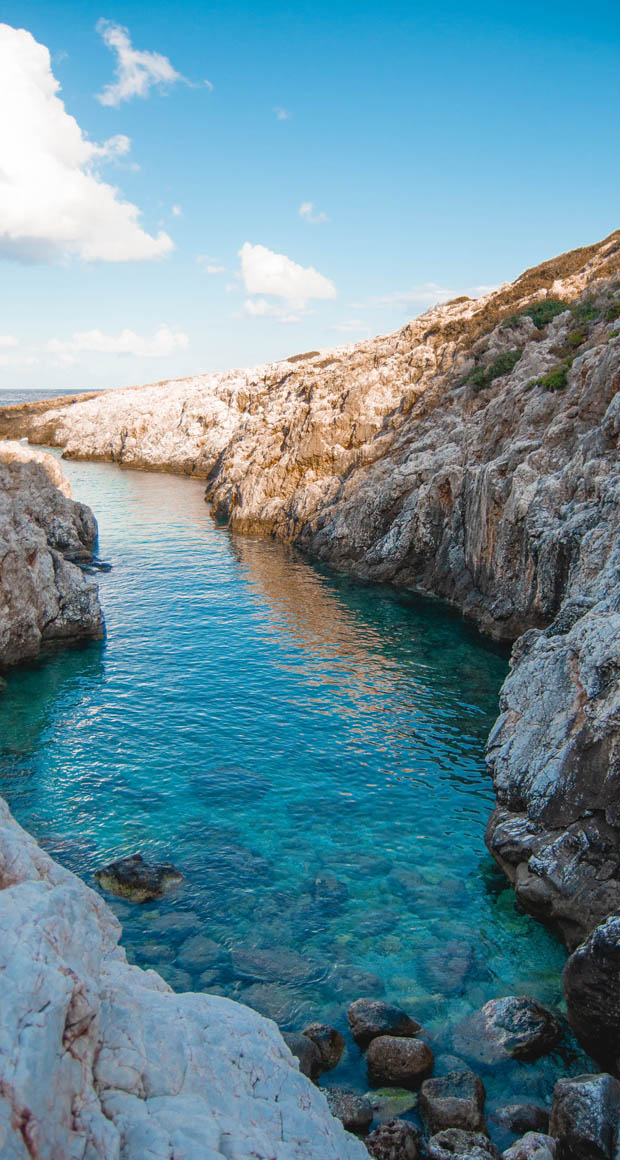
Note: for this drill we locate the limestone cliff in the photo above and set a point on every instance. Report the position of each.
(44, 595)
(474, 455)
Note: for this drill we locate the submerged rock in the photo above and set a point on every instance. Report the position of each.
(369, 1018)
(138, 881)
(229, 784)
(514, 1027)
(394, 1140)
(455, 1100)
(329, 1042)
(352, 1109)
(585, 1117)
(455, 1144)
(387, 1103)
(591, 983)
(521, 1118)
(403, 1062)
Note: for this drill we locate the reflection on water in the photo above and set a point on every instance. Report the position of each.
(307, 750)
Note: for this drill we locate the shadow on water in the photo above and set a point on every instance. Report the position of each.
(309, 751)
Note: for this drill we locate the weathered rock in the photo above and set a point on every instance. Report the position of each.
(369, 1018)
(591, 982)
(352, 1109)
(456, 1144)
(329, 1042)
(514, 1027)
(585, 1117)
(388, 1103)
(306, 1052)
(532, 1146)
(403, 1062)
(101, 1059)
(455, 1100)
(522, 1118)
(44, 595)
(138, 881)
(394, 1140)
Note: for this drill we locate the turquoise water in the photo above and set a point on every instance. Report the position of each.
(307, 750)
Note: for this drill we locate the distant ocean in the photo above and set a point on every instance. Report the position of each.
(10, 398)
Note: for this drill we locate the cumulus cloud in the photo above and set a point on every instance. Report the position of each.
(165, 341)
(308, 213)
(53, 203)
(276, 276)
(136, 72)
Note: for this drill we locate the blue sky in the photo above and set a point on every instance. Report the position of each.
(441, 150)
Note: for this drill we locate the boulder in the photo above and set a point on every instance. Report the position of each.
(394, 1140)
(352, 1109)
(585, 1117)
(455, 1144)
(394, 1060)
(521, 1118)
(591, 983)
(514, 1027)
(329, 1043)
(369, 1018)
(455, 1100)
(306, 1052)
(532, 1146)
(137, 880)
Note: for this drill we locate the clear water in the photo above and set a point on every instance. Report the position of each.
(307, 750)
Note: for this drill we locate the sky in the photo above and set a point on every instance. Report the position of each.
(190, 187)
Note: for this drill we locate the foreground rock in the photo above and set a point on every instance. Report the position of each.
(455, 1144)
(401, 1062)
(369, 1018)
(102, 1059)
(352, 1109)
(306, 1053)
(532, 1146)
(138, 881)
(514, 1027)
(328, 1042)
(455, 1100)
(585, 1118)
(592, 991)
(394, 1140)
(44, 595)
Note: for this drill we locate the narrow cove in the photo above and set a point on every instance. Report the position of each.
(308, 751)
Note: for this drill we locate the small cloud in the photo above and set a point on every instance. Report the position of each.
(350, 325)
(261, 308)
(165, 341)
(210, 265)
(136, 71)
(424, 296)
(176, 211)
(209, 85)
(282, 114)
(307, 212)
(267, 273)
(8, 340)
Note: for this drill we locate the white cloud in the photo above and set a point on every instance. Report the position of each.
(136, 72)
(53, 204)
(165, 341)
(350, 324)
(426, 295)
(261, 308)
(8, 340)
(282, 114)
(275, 275)
(176, 211)
(210, 265)
(307, 212)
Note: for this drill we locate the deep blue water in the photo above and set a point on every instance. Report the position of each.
(306, 749)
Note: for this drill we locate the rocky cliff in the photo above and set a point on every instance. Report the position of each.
(44, 595)
(472, 455)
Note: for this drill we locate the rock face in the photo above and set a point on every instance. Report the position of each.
(44, 595)
(585, 1118)
(474, 455)
(102, 1059)
(592, 990)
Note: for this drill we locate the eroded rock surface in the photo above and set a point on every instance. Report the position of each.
(102, 1059)
(44, 595)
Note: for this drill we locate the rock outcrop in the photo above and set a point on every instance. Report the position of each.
(101, 1059)
(44, 595)
(473, 455)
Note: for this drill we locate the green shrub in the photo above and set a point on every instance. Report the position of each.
(555, 380)
(542, 313)
(613, 312)
(577, 337)
(587, 311)
(482, 377)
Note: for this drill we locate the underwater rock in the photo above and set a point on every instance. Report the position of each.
(200, 952)
(229, 785)
(345, 979)
(455, 1100)
(514, 1027)
(591, 982)
(532, 1146)
(585, 1117)
(273, 965)
(369, 1018)
(328, 893)
(389, 1102)
(277, 1001)
(394, 1140)
(521, 1118)
(307, 1052)
(449, 966)
(138, 881)
(352, 1109)
(402, 1062)
(455, 1144)
(329, 1042)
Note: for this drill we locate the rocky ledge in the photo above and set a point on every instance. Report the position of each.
(100, 1059)
(44, 595)
(472, 455)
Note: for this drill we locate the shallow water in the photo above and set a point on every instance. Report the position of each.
(307, 750)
